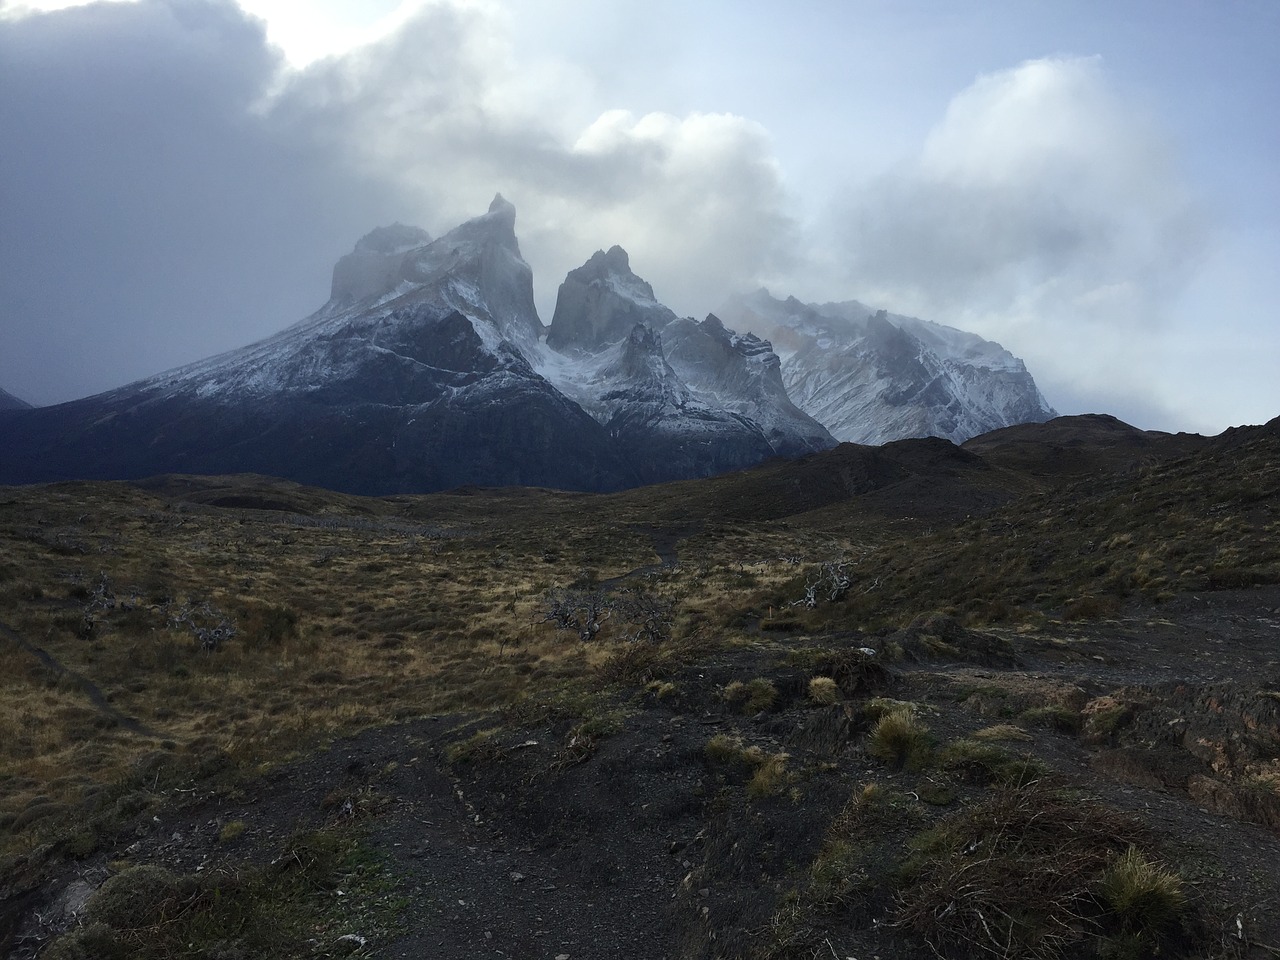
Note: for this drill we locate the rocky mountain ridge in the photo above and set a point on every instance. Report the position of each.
(870, 376)
(429, 368)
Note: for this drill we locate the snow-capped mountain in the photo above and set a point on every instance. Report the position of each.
(9, 402)
(412, 377)
(429, 368)
(871, 377)
(687, 397)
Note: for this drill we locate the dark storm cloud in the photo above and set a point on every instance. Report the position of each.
(151, 216)
(175, 190)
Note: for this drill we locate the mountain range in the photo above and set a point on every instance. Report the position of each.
(429, 368)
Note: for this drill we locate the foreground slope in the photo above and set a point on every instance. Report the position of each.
(878, 701)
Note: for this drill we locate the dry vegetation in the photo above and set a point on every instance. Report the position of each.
(862, 654)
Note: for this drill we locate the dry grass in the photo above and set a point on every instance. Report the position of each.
(357, 613)
(1013, 875)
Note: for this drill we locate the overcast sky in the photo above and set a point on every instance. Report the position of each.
(1092, 184)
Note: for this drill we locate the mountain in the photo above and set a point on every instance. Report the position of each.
(428, 368)
(9, 402)
(871, 377)
(412, 377)
(686, 398)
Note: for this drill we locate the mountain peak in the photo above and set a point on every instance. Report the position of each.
(501, 204)
(601, 302)
(617, 258)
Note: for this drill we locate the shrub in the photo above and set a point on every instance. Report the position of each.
(1143, 899)
(751, 698)
(731, 753)
(824, 691)
(137, 897)
(770, 777)
(899, 739)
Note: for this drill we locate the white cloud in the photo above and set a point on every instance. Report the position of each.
(441, 108)
(202, 188)
(1043, 211)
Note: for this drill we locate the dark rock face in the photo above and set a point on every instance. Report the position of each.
(601, 302)
(361, 447)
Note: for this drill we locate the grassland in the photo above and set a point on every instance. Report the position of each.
(183, 640)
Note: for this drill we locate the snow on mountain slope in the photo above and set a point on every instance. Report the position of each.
(612, 344)
(390, 297)
(412, 377)
(872, 377)
(741, 374)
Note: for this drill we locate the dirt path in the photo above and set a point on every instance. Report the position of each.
(91, 689)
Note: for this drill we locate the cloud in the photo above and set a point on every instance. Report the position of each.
(442, 108)
(1042, 210)
(1039, 185)
(173, 188)
(151, 216)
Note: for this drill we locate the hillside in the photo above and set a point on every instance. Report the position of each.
(1019, 698)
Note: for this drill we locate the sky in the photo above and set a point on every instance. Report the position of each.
(1092, 184)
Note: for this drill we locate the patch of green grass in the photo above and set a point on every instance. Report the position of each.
(480, 748)
(1003, 731)
(901, 740)
(1144, 902)
(1059, 718)
(989, 763)
(285, 909)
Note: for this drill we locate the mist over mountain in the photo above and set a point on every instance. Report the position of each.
(429, 368)
(872, 377)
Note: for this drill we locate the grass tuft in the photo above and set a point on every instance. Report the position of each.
(900, 740)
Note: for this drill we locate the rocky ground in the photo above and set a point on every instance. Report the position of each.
(538, 838)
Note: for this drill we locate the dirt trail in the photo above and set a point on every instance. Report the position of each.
(91, 689)
(665, 545)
